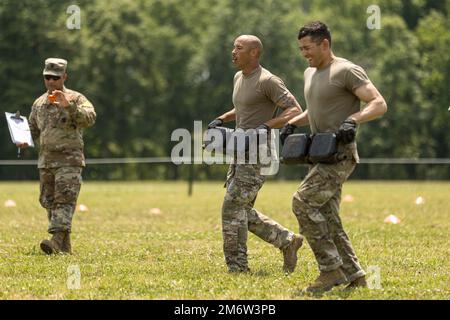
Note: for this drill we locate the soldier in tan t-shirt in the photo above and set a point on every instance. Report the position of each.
(256, 95)
(334, 88)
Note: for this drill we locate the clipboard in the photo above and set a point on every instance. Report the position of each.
(19, 128)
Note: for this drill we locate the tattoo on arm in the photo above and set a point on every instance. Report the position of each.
(288, 101)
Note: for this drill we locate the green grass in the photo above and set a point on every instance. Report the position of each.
(125, 252)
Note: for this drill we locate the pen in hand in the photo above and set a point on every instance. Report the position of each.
(20, 146)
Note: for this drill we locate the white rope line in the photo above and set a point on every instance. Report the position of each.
(94, 161)
(405, 160)
(103, 161)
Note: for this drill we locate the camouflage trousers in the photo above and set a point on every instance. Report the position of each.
(316, 206)
(239, 216)
(59, 189)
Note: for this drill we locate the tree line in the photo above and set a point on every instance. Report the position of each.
(151, 66)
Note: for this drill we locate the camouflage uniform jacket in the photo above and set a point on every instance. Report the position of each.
(60, 130)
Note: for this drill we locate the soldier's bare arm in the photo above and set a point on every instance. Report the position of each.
(289, 101)
(291, 108)
(300, 120)
(375, 107)
(228, 116)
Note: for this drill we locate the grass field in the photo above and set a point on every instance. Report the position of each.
(125, 251)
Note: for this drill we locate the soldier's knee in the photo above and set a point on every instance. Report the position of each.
(230, 212)
(67, 196)
(299, 206)
(235, 200)
(227, 214)
(338, 236)
(46, 202)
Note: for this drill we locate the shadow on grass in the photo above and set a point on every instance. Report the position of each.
(33, 251)
(340, 293)
(251, 273)
(261, 273)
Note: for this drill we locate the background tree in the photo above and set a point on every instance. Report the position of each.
(151, 66)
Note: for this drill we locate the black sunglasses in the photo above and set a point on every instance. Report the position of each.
(54, 78)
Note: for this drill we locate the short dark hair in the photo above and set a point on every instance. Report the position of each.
(317, 30)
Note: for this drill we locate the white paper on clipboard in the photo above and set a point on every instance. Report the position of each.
(19, 129)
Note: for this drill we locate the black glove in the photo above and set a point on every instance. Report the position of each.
(347, 131)
(286, 131)
(215, 123)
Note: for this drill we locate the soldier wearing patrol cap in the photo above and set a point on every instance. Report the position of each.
(57, 120)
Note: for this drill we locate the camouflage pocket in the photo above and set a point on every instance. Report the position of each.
(67, 184)
(47, 188)
(339, 172)
(65, 122)
(230, 175)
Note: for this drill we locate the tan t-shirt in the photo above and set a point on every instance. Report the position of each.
(329, 94)
(255, 97)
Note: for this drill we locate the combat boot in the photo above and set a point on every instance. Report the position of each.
(357, 283)
(327, 280)
(55, 244)
(66, 245)
(290, 254)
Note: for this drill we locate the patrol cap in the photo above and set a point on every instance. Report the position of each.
(55, 67)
